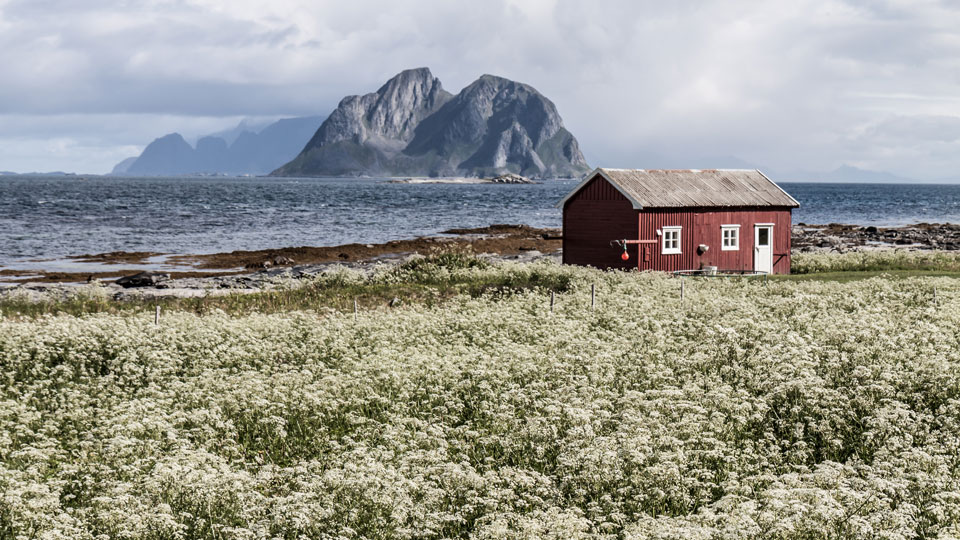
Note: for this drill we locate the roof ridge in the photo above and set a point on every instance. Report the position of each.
(675, 188)
(683, 170)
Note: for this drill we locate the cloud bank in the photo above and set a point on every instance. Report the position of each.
(802, 85)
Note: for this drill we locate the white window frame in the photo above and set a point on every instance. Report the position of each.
(735, 236)
(663, 241)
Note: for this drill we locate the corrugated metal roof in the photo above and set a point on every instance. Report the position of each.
(672, 188)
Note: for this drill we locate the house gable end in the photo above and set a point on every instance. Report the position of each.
(586, 188)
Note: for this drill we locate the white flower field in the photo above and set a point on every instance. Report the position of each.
(751, 409)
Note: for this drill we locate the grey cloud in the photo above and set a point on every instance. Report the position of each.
(784, 84)
(906, 130)
(912, 146)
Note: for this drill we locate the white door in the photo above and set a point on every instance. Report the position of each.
(763, 248)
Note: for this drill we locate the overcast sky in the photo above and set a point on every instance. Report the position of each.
(788, 85)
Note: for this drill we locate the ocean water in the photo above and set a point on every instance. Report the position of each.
(49, 218)
(55, 217)
(875, 204)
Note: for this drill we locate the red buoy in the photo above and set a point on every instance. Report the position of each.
(625, 256)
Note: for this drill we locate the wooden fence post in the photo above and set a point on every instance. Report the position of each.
(593, 296)
(156, 315)
(354, 308)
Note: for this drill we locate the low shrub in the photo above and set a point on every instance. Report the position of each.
(786, 410)
(875, 261)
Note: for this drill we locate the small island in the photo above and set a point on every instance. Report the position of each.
(508, 178)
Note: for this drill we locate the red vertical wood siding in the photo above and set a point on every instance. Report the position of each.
(653, 220)
(597, 214)
(703, 226)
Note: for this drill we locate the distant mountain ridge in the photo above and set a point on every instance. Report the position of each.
(230, 135)
(235, 151)
(848, 174)
(123, 166)
(411, 126)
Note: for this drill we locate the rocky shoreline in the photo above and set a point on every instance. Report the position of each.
(157, 285)
(244, 272)
(837, 237)
(218, 274)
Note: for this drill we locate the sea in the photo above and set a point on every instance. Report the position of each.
(46, 219)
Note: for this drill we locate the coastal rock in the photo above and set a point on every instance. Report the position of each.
(143, 279)
(838, 237)
(411, 126)
(511, 178)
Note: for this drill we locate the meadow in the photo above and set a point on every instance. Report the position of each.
(786, 408)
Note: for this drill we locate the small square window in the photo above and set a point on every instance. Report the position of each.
(730, 237)
(763, 236)
(670, 241)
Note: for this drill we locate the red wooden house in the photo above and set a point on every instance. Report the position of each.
(670, 220)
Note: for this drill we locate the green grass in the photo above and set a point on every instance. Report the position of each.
(854, 275)
(876, 261)
(893, 264)
(308, 297)
(426, 281)
(443, 275)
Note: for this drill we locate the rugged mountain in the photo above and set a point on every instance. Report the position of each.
(244, 126)
(278, 143)
(248, 152)
(411, 126)
(169, 154)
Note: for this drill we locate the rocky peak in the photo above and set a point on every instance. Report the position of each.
(404, 101)
(166, 149)
(495, 104)
(410, 125)
(386, 116)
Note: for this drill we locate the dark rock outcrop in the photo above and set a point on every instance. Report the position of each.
(841, 237)
(411, 126)
(143, 279)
